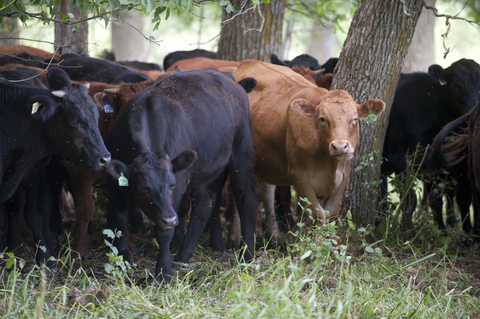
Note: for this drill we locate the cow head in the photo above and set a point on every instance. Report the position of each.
(460, 84)
(330, 124)
(151, 179)
(70, 118)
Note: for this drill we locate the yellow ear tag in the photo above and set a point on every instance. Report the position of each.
(122, 180)
(371, 117)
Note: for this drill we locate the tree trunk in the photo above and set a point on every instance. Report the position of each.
(321, 42)
(8, 32)
(369, 67)
(253, 35)
(75, 41)
(127, 43)
(421, 53)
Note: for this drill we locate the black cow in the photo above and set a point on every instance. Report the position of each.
(307, 61)
(173, 57)
(25, 59)
(37, 122)
(423, 104)
(85, 68)
(144, 66)
(180, 139)
(461, 157)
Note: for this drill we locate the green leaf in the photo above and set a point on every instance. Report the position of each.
(70, 15)
(10, 262)
(350, 223)
(369, 249)
(306, 254)
(167, 14)
(349, 215)
(371, 117)
(378, 251)
(109, 233)
(108, 268)
(43, 248)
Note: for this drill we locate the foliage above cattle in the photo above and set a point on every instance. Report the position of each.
(48, 10)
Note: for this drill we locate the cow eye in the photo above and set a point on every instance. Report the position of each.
(354, 122)
(322, 119)
(82, 123)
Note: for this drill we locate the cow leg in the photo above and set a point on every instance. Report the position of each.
(13, 207)
(332, 203)
(136, 219)
(283, 196)
(234, 231)
(84, 207)
(56, 189)
(268, 197)
(163, 269)
(202, 204)
(463, 194)
(305, 190)
(179, 233)
(37, 213)
(118, 216)
(216, 239)
(435, 203)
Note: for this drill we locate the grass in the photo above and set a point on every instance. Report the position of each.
(399, 279)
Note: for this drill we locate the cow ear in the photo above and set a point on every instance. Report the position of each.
(184, 160)
(105, 102)
(248, 84)
(373, 105)
(41, 107)
(115, 168)
(438, 73)
(303, 107)
(58, 79)
(275, 60)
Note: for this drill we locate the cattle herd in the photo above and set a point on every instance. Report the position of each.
(167, 143)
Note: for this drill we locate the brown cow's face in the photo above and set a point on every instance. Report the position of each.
(336, 121)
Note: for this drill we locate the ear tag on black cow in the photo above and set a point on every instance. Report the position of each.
(108, 108)
(371, 117)
(122, 180)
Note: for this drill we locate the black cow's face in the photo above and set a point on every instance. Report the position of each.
(460, 83)
(72, 131)
(152, 182)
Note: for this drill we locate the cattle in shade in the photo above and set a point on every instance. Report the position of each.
(173, 57)
(13, 49)
(25, 59)
(423, 104)
(143, 66)
(304, 135)
(461, 159)
(181, 138)
(85, 68)
(202, 63)
(38, 122)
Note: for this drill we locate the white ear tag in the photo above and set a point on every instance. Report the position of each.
(35, 107)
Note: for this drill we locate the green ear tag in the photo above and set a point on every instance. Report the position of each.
(371, 117)
(122, 180)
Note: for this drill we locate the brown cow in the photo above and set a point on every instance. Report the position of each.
(12, 49)
(304, 135)
(202, 63)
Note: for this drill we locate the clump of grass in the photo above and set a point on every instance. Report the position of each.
(331, 270)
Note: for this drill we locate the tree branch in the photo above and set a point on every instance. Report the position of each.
(448, 17)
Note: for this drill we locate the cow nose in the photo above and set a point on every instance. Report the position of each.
(104, 160)
(340, 146)
(169, 222)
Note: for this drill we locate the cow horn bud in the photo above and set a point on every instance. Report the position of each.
(35, 107)
(58, 93)
(112, 90)
(318, 72)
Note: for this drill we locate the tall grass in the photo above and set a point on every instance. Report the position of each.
(397, 280)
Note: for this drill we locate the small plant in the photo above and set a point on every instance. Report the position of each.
(318, 244)
(116, 265)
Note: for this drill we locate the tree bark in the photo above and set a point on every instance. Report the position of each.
(421, 53)
(127, 43)
(71, 41)
(369, 67)
(253, 35)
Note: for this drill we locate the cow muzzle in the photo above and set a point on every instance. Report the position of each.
(168, 222)
(104, 160)
(341, 150)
